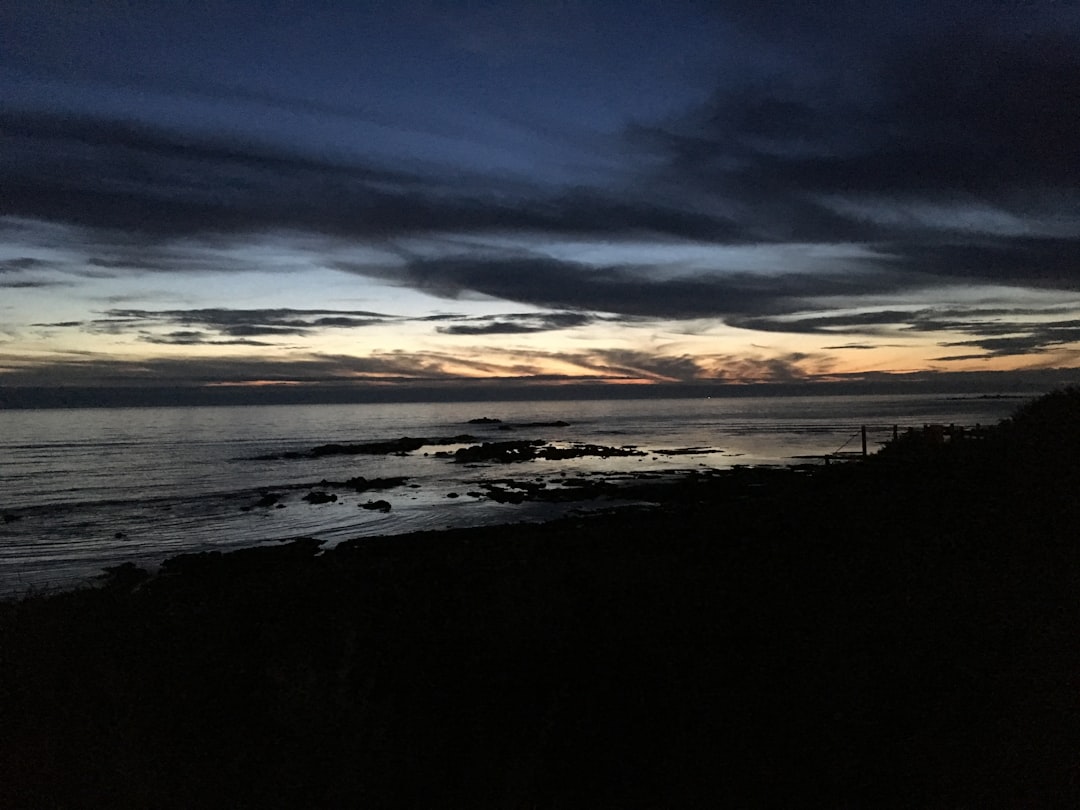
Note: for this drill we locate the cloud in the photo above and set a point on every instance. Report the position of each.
(1009, 340)
(31, 285)
(960, 130)
(222, 326)
(625, 290)
(22, 264)
(859, 346)
(1000, 331)
(197, 338)
(848, 322)
(236, 323)
(138, 179)
(1048, 263)
(21, 274)
(518, 324)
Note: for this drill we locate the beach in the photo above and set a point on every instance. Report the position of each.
(85, 489)
(898, 631)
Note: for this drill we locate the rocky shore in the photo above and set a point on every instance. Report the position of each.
(895, 632)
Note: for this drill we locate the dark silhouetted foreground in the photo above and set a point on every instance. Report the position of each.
(899, 632)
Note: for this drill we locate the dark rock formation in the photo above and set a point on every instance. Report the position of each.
(503, 452)
(361, 484)
(530, 449)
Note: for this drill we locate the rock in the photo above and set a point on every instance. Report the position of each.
(361, 484)
(379, 506)
(582, 450)
(318, 496)
(268, 499)
(505, 496)
(485, 420)
(503, 452)
(530, 449)
(406, 444)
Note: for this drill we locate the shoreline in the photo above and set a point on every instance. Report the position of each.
(893, 632)
(72, 520)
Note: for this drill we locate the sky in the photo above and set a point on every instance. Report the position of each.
(427, 193)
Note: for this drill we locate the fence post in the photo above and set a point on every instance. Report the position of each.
(864, 441)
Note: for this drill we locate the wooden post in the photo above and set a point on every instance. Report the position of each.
(864, 441)
(895, 433)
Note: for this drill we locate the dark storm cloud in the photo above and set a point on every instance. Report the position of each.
(219, 326)
(863, 322)
(998, 331)
(30, 285)
(143, 180)
(627, 291)
(1021, 339)
(1052, 263)
(230, 323)
(197, 338)
(963, 120)
(952, 153)
(280, 318)
(517, 324)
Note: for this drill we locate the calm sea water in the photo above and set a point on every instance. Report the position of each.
(83, 489)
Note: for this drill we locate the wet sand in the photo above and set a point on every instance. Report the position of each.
(895, 632)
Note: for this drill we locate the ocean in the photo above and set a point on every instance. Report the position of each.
(81, 489)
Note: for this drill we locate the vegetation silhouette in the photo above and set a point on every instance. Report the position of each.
(893, 632)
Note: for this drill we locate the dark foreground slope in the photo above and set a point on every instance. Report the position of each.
(899, 632)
